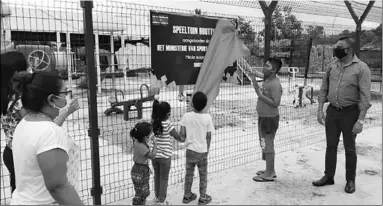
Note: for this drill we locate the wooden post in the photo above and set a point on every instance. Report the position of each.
(268, 12)
(358, 22)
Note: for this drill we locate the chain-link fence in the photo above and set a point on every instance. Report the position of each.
(54, 31)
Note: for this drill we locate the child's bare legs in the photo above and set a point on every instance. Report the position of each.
(267, 128)
(269, 152)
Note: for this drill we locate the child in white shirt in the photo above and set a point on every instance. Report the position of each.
(196, 128)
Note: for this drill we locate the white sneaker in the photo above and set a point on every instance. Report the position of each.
(165, 203)
(162, 203)
(155, 200)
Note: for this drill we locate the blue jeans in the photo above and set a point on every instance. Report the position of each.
(200, 160)
(161, 167)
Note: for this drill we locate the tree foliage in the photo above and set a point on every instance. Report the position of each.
(315, 31)
(247, 33)
(366, 36)
(284, 24)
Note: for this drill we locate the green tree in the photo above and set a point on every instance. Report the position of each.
(345, 32)
(366, 36)
(315, 31)
(378, 31)
(247, 33)
(284, 24)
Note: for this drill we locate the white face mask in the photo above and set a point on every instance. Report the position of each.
(66, 104)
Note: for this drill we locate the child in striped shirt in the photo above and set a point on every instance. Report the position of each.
(162, 129)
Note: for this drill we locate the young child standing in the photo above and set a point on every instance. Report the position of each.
(196, 127)
(269, 99)
(140, 172)
(162, 129)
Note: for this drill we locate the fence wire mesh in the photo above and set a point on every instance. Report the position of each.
(122, 33)
(322, 8)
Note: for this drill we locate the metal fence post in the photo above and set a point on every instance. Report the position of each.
(93, 130)
(308, 61)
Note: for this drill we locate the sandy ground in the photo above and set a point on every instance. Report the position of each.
(296, 170)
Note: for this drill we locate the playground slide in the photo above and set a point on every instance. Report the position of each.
(225, 47)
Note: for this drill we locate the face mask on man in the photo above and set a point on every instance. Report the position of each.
(340, 53)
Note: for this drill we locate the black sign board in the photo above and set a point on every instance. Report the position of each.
(178, 45)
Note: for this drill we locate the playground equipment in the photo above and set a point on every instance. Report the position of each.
(115, 102)
(104, 59)
(107, 63)
(112, 56)
(299, 92)
(39, 57)
(292, 77)
(246, 71)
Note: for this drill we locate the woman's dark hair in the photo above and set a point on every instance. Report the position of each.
(140, 131)
(35, 88)
(11, 62)
(160, 113)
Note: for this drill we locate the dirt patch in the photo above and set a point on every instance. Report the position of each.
(362, 149)
(365, 150)
(315, 194)
(371, 172)
(303, 160)
(226, 119)
(296, 170)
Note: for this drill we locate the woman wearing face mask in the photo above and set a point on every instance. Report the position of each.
(42, 150)
(12, 110)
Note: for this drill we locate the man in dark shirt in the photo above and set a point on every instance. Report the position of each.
(347, 87)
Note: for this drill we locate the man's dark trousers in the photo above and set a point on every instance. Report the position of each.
(341, 121)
